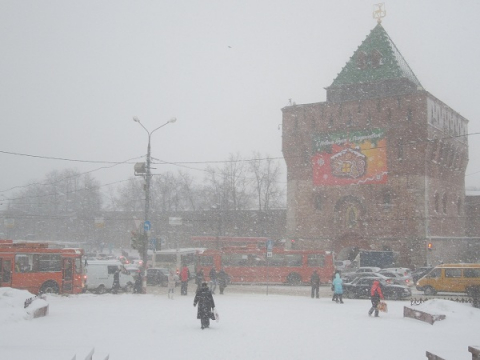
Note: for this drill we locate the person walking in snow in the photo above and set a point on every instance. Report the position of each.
(116, 281)
(206, 304)
(138, 286)
(184, 277)
(375, 296)
(334, 298)
(199, 278)
(222, 280)
(213, 279)
(172, 281)
(315, 283)
(338, 289)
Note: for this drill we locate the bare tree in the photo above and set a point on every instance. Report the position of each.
(62, 206)
(228, 186)
(266, 173)
(131, 196)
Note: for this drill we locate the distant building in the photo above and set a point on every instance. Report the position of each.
(379, 165)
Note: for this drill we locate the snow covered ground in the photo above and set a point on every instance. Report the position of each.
(252, 326)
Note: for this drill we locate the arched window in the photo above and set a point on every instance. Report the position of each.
(387, 200)
(376, 59)
(409, 115)
(352, 216)
(400, 149)
(362, 60)
(437, 202)
(436, 150)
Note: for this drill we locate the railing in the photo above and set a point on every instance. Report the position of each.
(415, 301)
(473, 298)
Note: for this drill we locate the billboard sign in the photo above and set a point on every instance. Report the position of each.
(350, 157)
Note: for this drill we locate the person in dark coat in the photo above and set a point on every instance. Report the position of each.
(116, 281)
(204, 299)
(222, 280)
(315, 283)
(375, 296)
(138, 286)
(199, 278)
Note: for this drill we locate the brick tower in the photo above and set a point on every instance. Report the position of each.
(380, 165)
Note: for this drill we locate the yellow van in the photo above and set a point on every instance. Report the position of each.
(463, 278)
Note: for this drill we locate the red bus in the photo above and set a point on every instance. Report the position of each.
(249, 264)
(39, 269)
(218, 242)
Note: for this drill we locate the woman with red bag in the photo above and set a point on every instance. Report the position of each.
(375, 296)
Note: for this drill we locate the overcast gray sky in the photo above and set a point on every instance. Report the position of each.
(73, 73)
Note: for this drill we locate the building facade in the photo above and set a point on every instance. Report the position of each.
(379, 165)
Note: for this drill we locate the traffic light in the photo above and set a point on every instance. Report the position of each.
(133, 241)
(137, 242)
(429, 246)
(292, 242)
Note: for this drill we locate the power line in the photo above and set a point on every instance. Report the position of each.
(70, 177)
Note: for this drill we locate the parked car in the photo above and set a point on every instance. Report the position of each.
(342, 265)
(421, 272)
(157, 276)
(132, 269)
(360, 288)
(397, 278)
(388, 280)
(365, 269)
(100, 276)
(402, 271)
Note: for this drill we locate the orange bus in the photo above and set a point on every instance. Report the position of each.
(39, 269)
(249, 264)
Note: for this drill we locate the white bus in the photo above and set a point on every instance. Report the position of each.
(174, 259)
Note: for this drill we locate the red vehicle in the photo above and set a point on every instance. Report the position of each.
(250, 264)
(39, 269)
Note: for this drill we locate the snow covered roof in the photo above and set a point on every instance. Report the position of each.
(376, 59)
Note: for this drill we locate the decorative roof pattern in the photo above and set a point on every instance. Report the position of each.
(376, 59)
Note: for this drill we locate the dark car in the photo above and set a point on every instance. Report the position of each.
(360, 288)
(157, 276)
(420, 272)
(362, 275)
(349, 276)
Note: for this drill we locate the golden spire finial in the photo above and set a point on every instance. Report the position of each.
(379, 12)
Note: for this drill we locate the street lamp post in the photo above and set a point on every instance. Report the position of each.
(148, 176)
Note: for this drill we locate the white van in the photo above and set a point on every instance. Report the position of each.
(100, 276)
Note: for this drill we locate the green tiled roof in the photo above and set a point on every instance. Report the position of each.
(376, 59)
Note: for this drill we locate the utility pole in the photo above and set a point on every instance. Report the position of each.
(142, 169)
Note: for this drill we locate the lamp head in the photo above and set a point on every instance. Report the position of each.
(136, 119)
(172, 120)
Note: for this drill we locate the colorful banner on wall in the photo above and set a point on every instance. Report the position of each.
(350, 157)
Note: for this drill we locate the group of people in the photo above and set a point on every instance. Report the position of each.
(216, 278)
(376, 294)
(337, 286)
